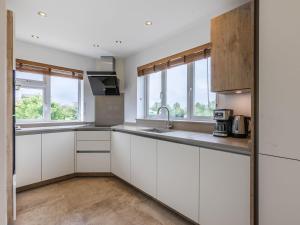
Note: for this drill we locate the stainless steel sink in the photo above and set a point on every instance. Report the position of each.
(157, 130)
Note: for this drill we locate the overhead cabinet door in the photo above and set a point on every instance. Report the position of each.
(232, 50)
(178, 177)
(58, 152)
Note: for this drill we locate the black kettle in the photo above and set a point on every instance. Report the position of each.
(240, 126)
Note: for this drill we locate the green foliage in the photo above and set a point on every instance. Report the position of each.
(31, 108)
(61, 112)
(204, 110)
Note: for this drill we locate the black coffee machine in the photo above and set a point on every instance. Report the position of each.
(223, 125)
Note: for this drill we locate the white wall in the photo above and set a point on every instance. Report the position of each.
(195, 35)
(3, 201)
(28, 51)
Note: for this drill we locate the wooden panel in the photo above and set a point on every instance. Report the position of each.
(93, 162)
(28, 159)
(144, 164)
(9, 119)
(120, 155)
(178, 177)
(224, 188)
(57, 154)
(232, 50)
(93, 135)
(93, 145)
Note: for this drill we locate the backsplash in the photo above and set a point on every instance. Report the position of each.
(240, 103)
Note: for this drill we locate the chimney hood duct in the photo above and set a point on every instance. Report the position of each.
(105, 81)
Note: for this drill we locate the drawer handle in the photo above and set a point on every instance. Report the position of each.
(93, 151)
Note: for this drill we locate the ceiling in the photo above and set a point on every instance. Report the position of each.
(75, 25)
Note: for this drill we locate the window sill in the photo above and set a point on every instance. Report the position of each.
(178, 120)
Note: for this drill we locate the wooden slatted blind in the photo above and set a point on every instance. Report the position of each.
(181, 58)
(46, 69)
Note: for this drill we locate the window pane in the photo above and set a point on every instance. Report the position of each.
(64, 99)
(176, 94)
(29, 104)
(29, 76)
(154, 93)
(204, 100)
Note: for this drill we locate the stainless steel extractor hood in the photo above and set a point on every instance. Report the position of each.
(105, 81)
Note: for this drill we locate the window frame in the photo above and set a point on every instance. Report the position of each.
(45, 85)
(190, 96)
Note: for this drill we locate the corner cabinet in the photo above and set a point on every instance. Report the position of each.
(232, 38)
(58, 154)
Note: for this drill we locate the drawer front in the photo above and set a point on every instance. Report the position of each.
(93, 135)
(93, 145)
(93, 162)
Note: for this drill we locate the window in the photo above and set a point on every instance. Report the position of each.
(41, 97)
(176, 91)
(184, 89)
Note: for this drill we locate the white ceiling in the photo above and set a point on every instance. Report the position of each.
(75, 25)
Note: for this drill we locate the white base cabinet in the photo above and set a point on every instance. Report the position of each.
(120, 155)
(58, 152)
(224, 188)
(28, 159)
(279, 191)
(178, 177)
(143, 164)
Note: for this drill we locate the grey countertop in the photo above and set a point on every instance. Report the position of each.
(235, 145)
(205, 140)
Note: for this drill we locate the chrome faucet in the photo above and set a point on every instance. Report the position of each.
(169, 125)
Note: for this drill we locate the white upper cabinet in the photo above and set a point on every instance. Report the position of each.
(58, 152)
(120, 155)
(178, 177)
(279, 191)
(143, 164)
(224, 188)
(28, 159)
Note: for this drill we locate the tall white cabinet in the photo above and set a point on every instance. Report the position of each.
(28, 159)
(143, 164)
(224, 188)
(279, 160)
(121, 155)
(57, 154)
(178, 177)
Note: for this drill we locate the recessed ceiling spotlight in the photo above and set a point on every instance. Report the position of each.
(96, 45)
(118, 42)
(35, 36)
(148, 23)
(41, 13)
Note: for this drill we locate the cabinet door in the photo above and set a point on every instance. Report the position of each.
(143, 164)
(28, 159)
(93, 162)
(232, 50)
(120, 155)
(279, 191)
(178, 177)
(224, 188)
(57, 154)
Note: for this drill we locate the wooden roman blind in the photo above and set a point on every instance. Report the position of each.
(46, 69)
(181, 58)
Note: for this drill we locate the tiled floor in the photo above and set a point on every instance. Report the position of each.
(91, 201)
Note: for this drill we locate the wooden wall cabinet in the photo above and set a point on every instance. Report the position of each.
(232, 40)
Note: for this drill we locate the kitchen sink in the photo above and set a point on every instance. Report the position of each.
(157, 130)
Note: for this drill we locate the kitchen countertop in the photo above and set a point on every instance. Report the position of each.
(205, 140)
(235, 145)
